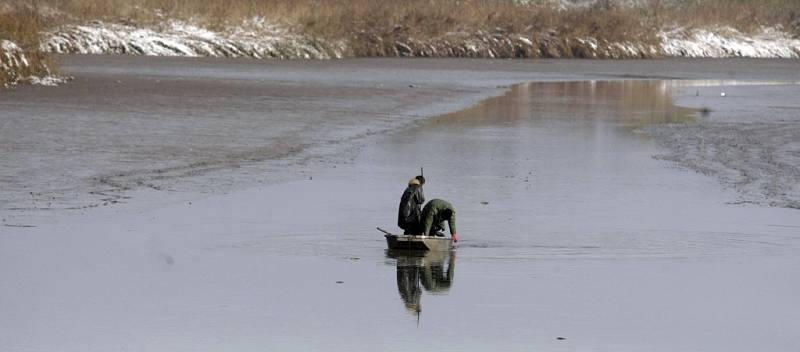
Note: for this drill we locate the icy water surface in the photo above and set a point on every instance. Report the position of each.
(573, 238)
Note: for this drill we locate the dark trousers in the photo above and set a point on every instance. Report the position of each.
(412, 226)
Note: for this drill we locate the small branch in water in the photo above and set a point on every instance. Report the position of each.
(18, 225)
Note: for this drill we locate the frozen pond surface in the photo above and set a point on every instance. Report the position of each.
(570, 229)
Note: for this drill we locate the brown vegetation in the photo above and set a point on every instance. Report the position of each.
(418, 19)
(21, 25)
(744, 15)
(348, 19)
(340, 18)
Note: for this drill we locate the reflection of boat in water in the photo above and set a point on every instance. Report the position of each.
(416, 243)
(431, 270)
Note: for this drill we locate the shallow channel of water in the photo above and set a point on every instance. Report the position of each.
(573, 238)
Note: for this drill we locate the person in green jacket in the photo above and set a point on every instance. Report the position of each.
(434, 214)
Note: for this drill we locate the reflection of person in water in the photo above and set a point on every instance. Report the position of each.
(408, 286)
(427, 268)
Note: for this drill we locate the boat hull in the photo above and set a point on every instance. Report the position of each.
(418, 243)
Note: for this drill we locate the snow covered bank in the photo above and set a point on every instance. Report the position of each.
(728, 42)
(16, 67)
(12, 61)
(259, 39)
(255, 39)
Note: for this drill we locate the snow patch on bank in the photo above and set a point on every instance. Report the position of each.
(14, 65)
(255, 38)
(769, 42)
(12, 60)
(50, 81)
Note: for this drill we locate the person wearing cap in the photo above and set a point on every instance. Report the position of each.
(435, 213)
(408, 215)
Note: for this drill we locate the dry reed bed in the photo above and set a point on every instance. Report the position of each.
(342, 18)
(390, 28)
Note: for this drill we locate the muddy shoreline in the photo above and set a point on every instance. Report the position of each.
(747, 139)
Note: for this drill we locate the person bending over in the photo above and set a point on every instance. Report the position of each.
(435, 213)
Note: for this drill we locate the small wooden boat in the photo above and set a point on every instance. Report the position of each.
(416, 243)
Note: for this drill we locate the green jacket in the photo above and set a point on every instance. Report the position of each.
(437, 211)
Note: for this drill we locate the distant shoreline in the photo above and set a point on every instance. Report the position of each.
(307, 29)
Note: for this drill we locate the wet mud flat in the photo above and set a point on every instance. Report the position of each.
(749, 138)
(573, 238)
(183, 127)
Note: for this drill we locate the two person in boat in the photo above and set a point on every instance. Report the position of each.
(416, 220)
